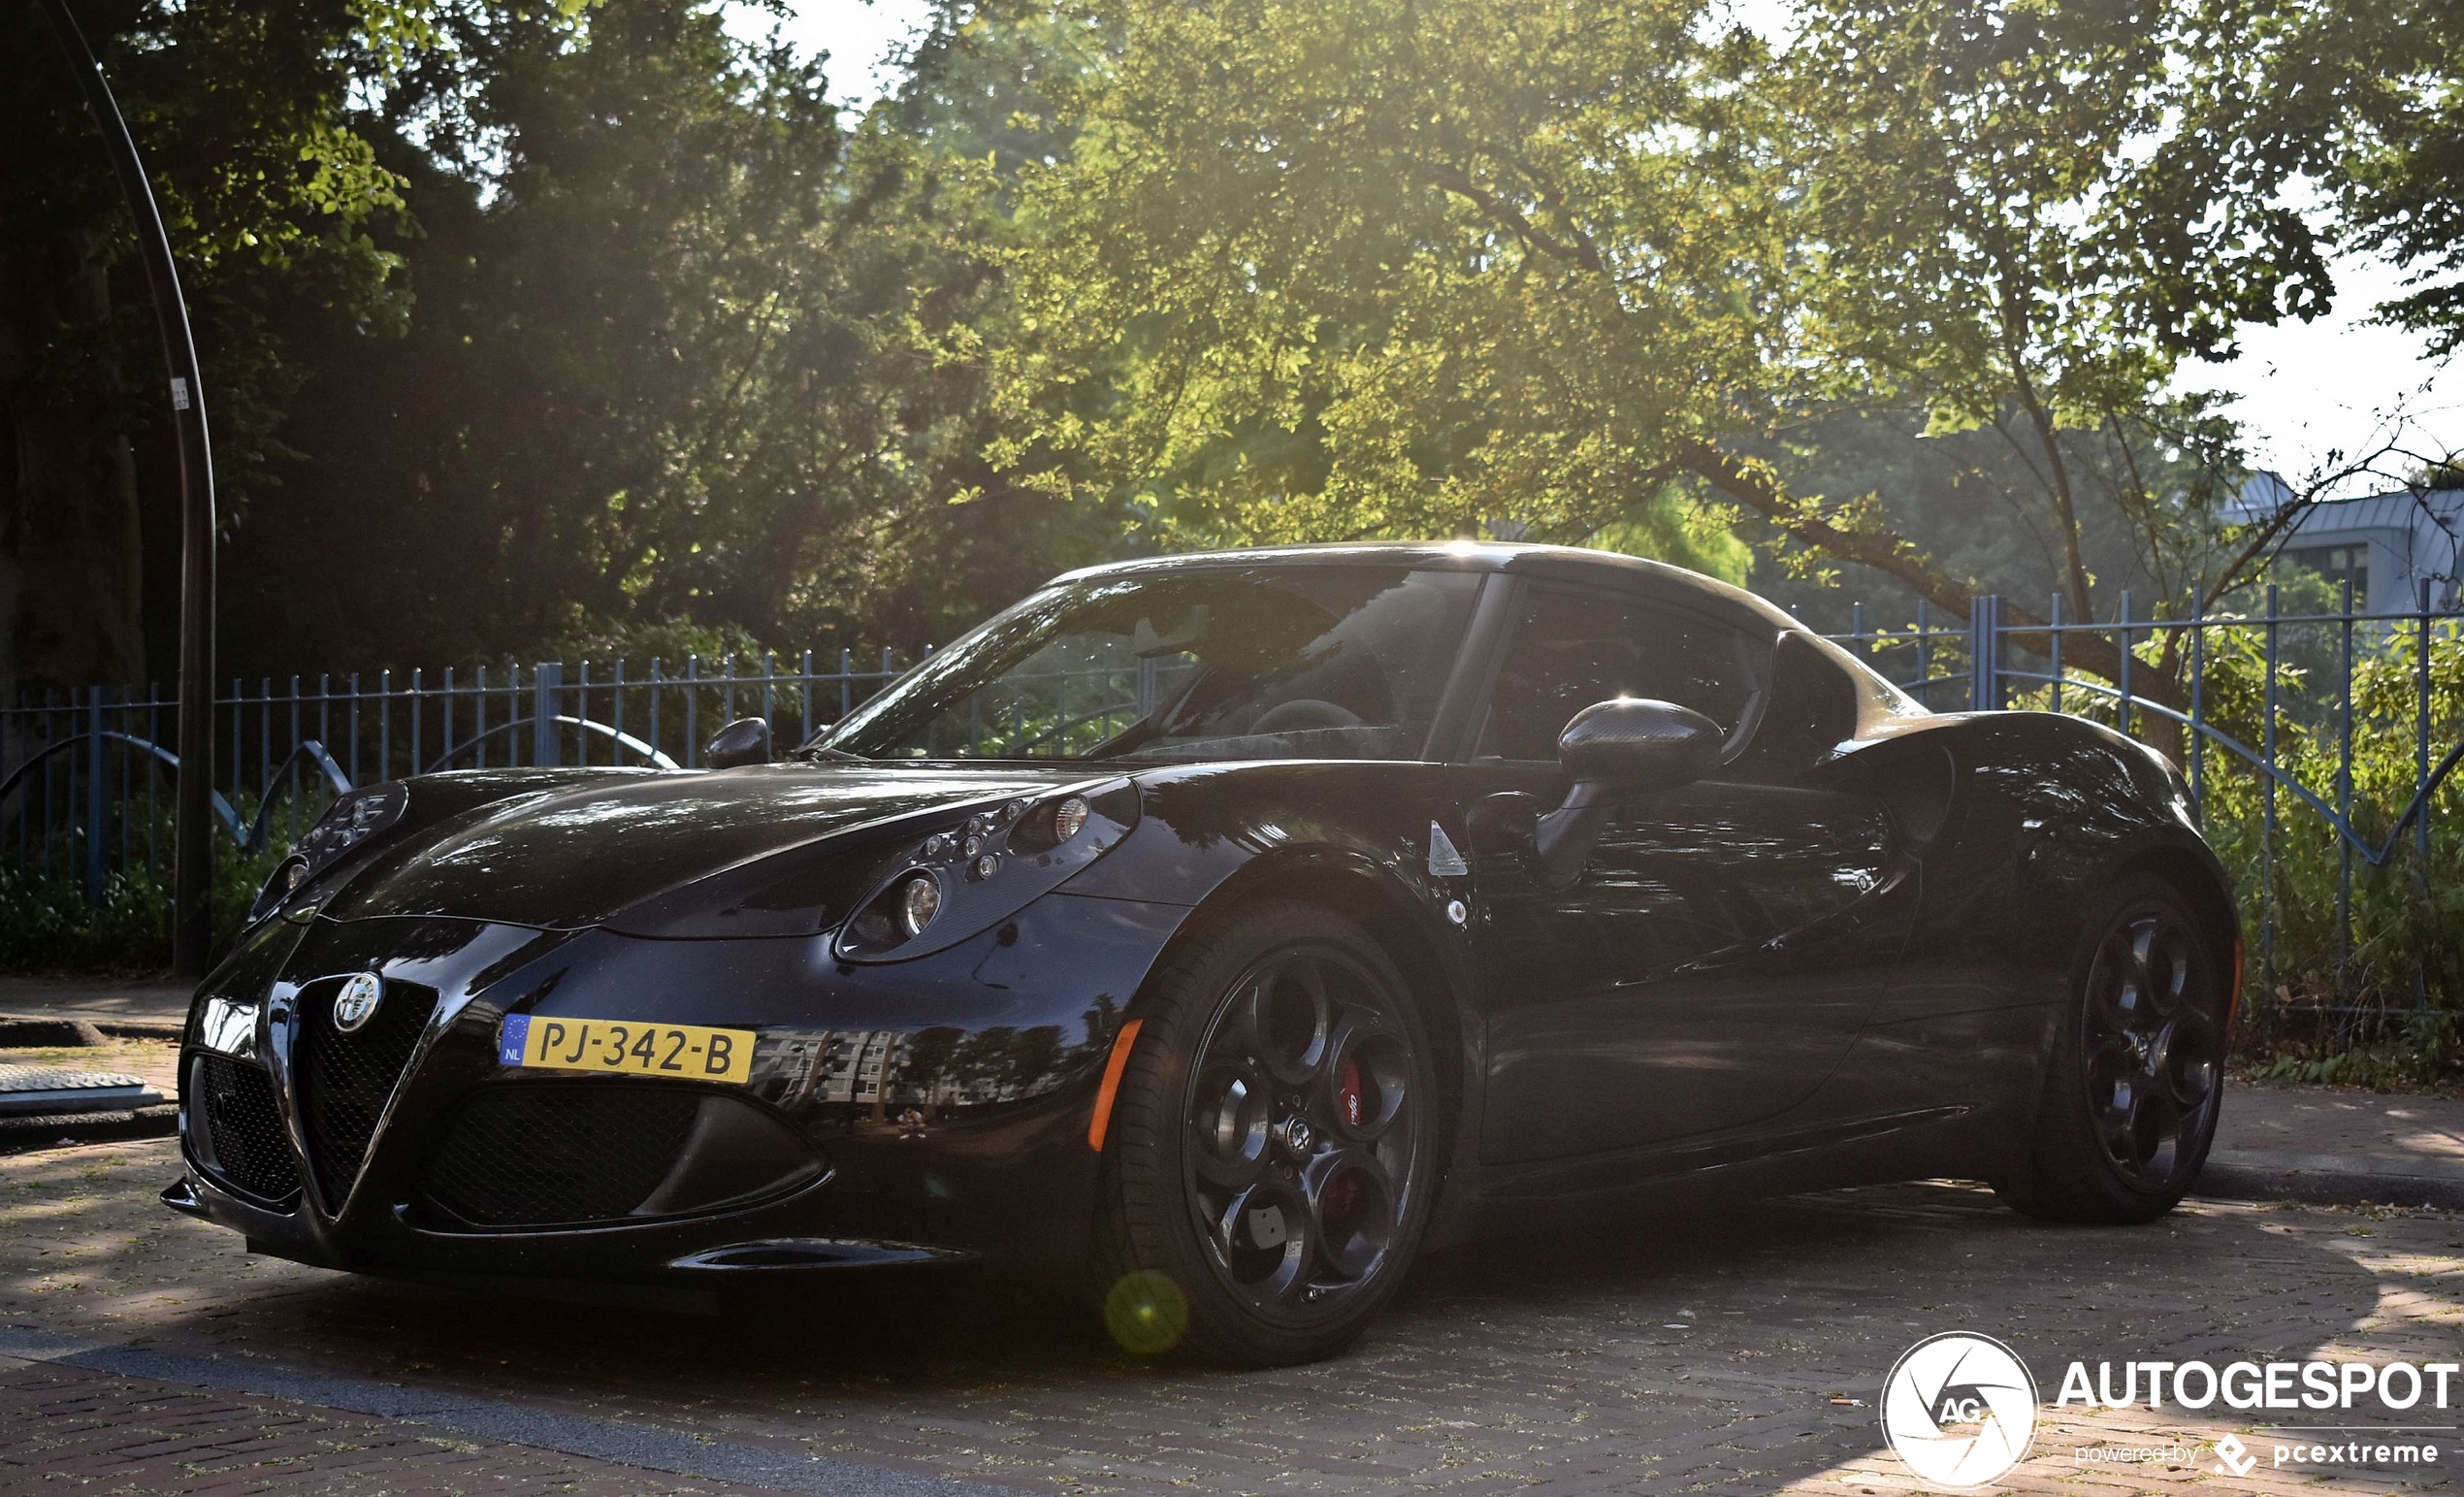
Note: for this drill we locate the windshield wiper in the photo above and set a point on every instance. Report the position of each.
(814, 753)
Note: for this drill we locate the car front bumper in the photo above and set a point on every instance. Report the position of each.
(929, 1111)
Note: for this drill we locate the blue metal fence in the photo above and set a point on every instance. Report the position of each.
(85, 794)
(2357, 718)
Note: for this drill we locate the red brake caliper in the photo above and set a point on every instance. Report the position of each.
(1343, 1191)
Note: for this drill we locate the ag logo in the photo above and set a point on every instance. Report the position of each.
(356, 1004)
(1959, 1409)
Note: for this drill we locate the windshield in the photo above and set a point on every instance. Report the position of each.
(1310, 661)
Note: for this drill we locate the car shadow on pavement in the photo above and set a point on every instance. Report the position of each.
(1738, 1348)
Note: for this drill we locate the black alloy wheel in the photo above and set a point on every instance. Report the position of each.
(2136, 1080)
(2154, 1049)
(1303, 1129)
(1274, 1137)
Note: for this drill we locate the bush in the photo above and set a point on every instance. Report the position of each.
(47, 926)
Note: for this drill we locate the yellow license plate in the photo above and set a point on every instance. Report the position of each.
(684, 1051)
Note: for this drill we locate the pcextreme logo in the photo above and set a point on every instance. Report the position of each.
(2233, 1458)
(1959, 1409)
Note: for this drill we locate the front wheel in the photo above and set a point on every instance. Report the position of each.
(1271, 1144)
(2137, 1078)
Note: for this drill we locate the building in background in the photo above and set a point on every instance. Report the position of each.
(2389, 545)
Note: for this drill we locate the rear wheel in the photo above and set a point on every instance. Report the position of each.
(2137, 1079)
(1271, 1144)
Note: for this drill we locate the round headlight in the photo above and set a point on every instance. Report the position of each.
(1068, 818)
(287, 876)
(919, 903)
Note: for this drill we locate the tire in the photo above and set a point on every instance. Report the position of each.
(1272, 1148)
(2137, 1075)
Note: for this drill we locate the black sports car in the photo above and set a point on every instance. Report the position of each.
(1239, 924)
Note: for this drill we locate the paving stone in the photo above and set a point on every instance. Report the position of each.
(1542, 1365)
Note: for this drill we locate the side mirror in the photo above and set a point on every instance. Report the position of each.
(744, 741)
(1615, 748)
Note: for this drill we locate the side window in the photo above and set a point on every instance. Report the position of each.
(1573, 647)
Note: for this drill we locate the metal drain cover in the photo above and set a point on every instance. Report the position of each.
(47, 1092)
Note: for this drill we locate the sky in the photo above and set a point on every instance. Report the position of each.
(858, 35)
(2302, 392)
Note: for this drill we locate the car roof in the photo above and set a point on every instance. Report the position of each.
(1558, 564)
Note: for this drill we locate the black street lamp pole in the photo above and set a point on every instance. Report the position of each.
(192, 855)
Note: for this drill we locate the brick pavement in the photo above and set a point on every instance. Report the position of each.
(69, 1428)
(1739, 1352)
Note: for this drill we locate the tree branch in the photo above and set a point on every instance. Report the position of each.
(1897, 556)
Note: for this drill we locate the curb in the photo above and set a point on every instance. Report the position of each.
(28, 1030)
(2330, 1180)
(18, 1135)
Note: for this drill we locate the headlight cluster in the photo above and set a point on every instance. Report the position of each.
(963, 870)
(352, 819)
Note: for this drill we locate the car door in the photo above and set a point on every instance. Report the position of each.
(1723, 942)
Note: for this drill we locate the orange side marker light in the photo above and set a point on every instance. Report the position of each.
(1120, 1061)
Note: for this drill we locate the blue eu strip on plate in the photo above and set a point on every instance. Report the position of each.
(515, 1037)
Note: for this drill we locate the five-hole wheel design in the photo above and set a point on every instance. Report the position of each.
(1271, 1161)
(1302, 1128)
(2135, 1079)
(2154, 1048)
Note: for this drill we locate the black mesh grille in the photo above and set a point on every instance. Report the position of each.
(242, 1130)
(538, 1154)
(344, 1080)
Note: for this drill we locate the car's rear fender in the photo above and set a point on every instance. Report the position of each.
(2049, 810)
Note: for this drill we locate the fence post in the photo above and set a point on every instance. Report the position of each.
(2053, 636)
(2122, 713)
(2267, 818)
(693, 711)
(94, 834)
(2421, 780)
(544, 681)
(1924, 655)
(1985, 653)
(2344, 817)
(2198, 703)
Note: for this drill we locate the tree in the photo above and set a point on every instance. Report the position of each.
(2149, 503)
(2016, 218)
(1402, 267)
(241, 109)
(1392, 267)
(2402, 159)
(685, 344)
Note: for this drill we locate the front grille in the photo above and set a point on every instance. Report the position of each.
(539, 1153)
(242, 1132)
(345, 1080)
